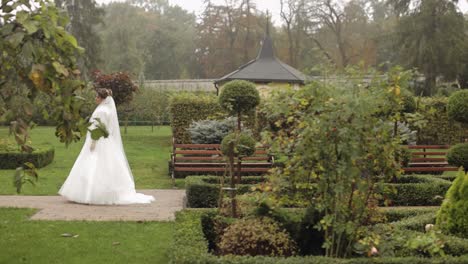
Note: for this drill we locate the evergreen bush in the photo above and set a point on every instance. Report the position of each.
(458, 155)
(457, 107)
(256, 237)
(453, 215)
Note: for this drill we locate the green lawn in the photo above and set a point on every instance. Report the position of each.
(148, 153)
(26, 241)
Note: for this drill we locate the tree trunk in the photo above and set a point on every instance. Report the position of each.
(233, 184)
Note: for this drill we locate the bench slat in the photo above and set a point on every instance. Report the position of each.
(194, 169)
(194, 158)
(426, 169)
(191, 146)
(429, 147)
(211, 152)
(428, 159)
(427, 164)
(429, 153)
(258, 164)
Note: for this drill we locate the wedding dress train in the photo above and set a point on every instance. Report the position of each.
(102, 175)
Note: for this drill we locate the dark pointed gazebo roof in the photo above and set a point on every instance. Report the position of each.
(265, 68)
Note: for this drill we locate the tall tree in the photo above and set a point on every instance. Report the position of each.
(84, 16)
(431, 38)
(228, 36)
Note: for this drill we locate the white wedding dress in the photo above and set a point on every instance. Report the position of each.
(103, 175)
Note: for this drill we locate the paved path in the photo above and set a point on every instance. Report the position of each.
(58, 208)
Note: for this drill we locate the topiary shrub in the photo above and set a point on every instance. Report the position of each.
(453, 215)
(239, 97)
(457, 107)
(458, 155)
(244, 145)
(256, 237)
(211, 131)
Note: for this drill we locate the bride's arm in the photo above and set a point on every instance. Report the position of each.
(97, 121)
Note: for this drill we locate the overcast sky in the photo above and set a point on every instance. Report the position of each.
(272, 5)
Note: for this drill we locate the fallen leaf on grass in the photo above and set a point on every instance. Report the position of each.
(69, 235)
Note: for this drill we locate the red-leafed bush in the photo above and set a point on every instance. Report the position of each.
(120, 83)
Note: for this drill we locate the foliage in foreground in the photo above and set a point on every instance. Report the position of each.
(339, 138)
(38, 57)
(453, 215)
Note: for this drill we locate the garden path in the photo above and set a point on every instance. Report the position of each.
(58, 208)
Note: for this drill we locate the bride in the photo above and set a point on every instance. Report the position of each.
(101, 174)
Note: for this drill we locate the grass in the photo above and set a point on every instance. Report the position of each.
(25, 241)
(148, 154)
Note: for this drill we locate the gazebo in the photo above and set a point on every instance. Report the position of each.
(265, 71)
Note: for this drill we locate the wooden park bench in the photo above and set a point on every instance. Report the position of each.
(428, 159)
(196, 159)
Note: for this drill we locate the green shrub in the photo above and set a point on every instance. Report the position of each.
(203, 191)
(416, 223)
(40, 157)
(457, 107)
(453, 215)
(439, 129)
(458, 155)
(409, 104)
(213, 226)
(185, 108)
(244, 145)
(256, 236)
(239, 97)
(418, 190)
(211, 131)
(393, 214)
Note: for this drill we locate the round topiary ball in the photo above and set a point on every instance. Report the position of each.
(244, 145)
(458, 155)
(239, 97)
(457, 106)
(256, 237)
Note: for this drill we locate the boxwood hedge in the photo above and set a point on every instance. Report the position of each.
(418, 190)
(203, 191)
(40, 157)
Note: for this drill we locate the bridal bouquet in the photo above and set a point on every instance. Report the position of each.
(99, 131)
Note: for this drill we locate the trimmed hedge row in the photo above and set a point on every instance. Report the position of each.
(393, 214)
(203, 191)
(414, 190)
(186, 108)
(418, 190)
(39, 157)
(454, 246)
(191, 247)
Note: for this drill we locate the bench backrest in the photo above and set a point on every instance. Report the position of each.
(212, 152)
(429, 158)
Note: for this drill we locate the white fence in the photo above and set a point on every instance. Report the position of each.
(205, 85)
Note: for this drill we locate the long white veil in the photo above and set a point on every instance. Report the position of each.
(114, 129)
